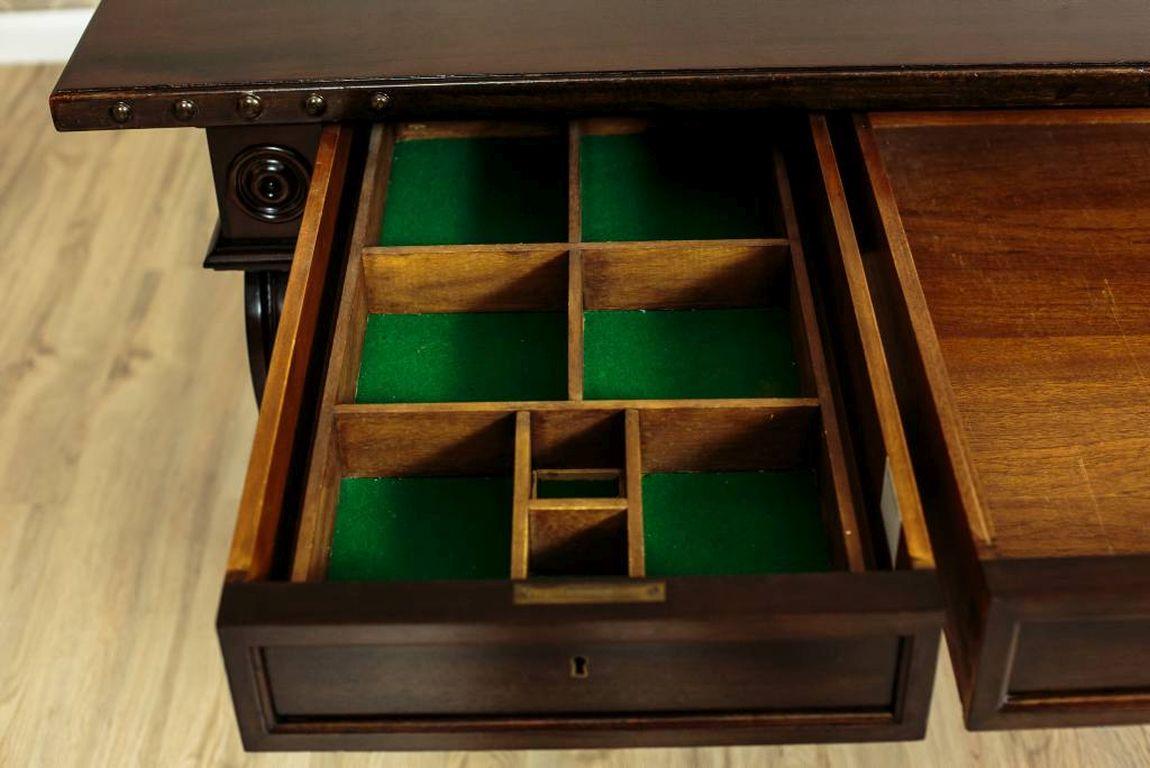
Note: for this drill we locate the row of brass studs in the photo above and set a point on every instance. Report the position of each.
(249, 106)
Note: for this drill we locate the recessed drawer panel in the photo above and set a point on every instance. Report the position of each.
(1080, 657)
(1009, 254)
(579, 435)
(581, 678)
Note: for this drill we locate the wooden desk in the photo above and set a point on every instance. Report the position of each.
(823, 376)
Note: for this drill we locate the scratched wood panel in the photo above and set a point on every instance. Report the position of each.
(1032, 243)
(125, 421)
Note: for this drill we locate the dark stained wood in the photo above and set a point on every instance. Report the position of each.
(791, 657)
(634, 677)
(456, 56)
(243, 240)
(836, 656)
(1065, 644)
(263, 301)
(1009, 254)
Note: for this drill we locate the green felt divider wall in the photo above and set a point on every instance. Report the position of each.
(704, 353)
(677, 183)
(478, 190)
(726, 523)
(422, 528)
(463, 357)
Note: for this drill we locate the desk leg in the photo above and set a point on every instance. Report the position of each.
(263, 302)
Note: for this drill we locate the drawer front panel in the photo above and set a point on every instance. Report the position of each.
(1016, 287)
(1057, 658)
(361, 681)
(844, 657)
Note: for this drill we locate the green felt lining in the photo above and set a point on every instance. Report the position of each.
(676, 183)
(463, 357)
(727, 523)
(698, 353)
(422, 528)
(477, 190)
(695, 523)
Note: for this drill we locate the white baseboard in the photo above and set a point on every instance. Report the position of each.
(30, 37)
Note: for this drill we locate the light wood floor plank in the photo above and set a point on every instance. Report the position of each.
(125, 422)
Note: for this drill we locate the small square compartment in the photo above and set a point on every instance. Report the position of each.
(676, 181)
(424, 498)
(461, 325)
(470, 183)
(576, 484)
(690, 321)
(576, 511)
(588, 540)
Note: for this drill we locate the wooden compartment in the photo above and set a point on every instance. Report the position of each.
(688, 490)
(468, 183)
(691, 320)
(576, 644)
(739, 495)
(676, 180)
(1008, 254)
(441, 510)
(574, 515)
(463, 324)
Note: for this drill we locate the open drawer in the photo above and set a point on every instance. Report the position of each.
(562, 445)
(1009, 255)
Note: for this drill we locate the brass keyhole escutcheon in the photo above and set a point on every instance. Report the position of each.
(580, 667)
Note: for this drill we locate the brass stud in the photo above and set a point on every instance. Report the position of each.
(380, 101)
(250, 106)
(184, 109)
(315, 105)
(120, 112)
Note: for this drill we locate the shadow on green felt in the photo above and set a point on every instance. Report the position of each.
(463, 357)
(422, 528)
(577, 489)
(728, 523)
(678, 182)
(698, 353)
(478, 190)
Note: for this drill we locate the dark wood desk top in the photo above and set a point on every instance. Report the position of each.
(449, 56)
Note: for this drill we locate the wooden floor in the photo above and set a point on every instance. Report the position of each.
(125, 420)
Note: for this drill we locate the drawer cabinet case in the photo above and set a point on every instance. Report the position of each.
(1009, 253)
(593, 453)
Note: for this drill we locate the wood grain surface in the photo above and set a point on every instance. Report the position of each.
(126, 418)
(1031, 245)
(442, 56)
